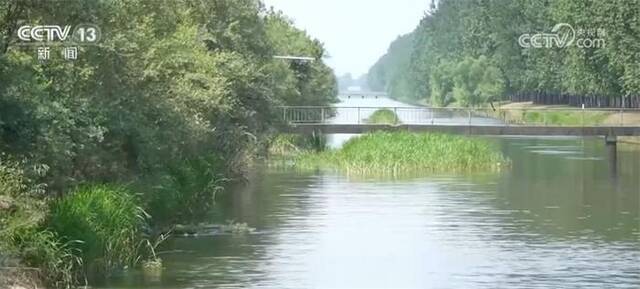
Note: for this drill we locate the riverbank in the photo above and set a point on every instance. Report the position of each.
(90, 178)
(529, 113)
(384, 153)
(20, 278)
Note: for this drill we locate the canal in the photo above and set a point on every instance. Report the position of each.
(559, 217)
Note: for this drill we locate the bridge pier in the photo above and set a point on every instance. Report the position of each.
(611, 143)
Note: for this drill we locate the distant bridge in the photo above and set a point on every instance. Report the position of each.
(364, 94)
(610, 123)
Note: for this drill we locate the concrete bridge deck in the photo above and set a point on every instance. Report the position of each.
(496, 130)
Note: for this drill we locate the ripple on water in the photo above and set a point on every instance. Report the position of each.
(527, 228)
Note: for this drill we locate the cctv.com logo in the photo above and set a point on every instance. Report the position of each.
(563, 35)
(84, 34)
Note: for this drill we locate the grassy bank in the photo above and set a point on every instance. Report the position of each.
(528, 113)
(568, 118)
(95, 230)
(383, 116)
(390, 153)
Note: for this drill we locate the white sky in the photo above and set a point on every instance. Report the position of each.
(355, 32)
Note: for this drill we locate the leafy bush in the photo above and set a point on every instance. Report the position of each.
(185, 190)
(471, 82)
(383, 116)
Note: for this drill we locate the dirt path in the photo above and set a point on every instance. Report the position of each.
(628, 118)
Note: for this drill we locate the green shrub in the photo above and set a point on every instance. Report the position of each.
(390, 153)
(185, 191)
(383, 116)
(103, 222)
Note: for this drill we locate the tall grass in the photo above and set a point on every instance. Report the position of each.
(101, 228)
(383, 116)
(293, 144)
(575, 118)
(396, 152)
(184, 191)
(104, 224)
(40, 253)
(551, 117)
(55, 262)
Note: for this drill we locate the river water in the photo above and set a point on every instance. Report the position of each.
(560, 217)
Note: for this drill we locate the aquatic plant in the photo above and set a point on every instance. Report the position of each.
(236, 228)
(283, 145)
(395, 152)
(383, 116)
(104, 222)
(184, 191)
(152, 266)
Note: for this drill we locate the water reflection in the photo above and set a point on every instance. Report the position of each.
(553, 220)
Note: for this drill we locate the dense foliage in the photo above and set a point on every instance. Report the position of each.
(456, 35)
(390, 72)
(173, 101)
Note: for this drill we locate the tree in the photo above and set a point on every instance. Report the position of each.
(457, 29)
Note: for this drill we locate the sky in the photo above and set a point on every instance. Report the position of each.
(356, 33)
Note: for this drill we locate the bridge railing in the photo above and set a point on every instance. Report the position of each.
(462, 116)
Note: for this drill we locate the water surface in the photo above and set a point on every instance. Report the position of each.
(560, 217)
(557, 219)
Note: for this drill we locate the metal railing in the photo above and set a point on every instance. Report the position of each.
(464, 116)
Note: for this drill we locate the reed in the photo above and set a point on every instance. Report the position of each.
(184, 191)
(103, 222)
(401, 152)
(286, 145)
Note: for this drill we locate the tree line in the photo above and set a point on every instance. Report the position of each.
(177, 97)
(469, 53)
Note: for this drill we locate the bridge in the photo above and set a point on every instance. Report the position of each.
(609, 123)
(364, 94)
